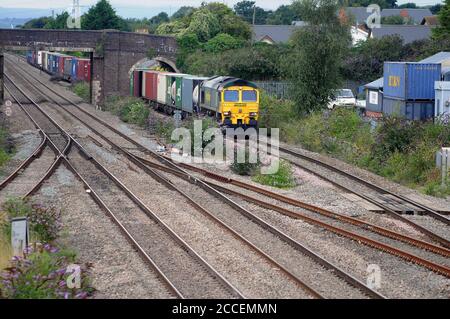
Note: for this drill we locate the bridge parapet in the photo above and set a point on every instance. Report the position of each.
(114, 52)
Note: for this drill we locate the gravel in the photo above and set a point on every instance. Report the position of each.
(118, 270)
(251, 273)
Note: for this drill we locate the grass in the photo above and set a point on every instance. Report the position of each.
(283, 178)
(82, 90)
(5, 242)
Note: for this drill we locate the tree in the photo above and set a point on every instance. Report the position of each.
(409, 5)
(365, 61)
(235, 26)
(443, 29)
(436, 8)
(60, 22)
(182, 12)
(171, 28)
(102, 16)
(285, 14)
(319, 48)
(396, 20)
(159, 18)
(246, 10)
(204, 24)
(384, 4)
(37, 23)
(222, 42)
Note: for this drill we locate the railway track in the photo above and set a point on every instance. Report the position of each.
(387, 233)
(86, 118)
(367, 191)
(194, 276)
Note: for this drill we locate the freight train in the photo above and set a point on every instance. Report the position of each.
(233, 101)
(70, 68)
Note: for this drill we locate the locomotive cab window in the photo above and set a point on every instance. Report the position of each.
(231, 96)
(249, 96)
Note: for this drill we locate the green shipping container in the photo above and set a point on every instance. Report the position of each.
(179, 85)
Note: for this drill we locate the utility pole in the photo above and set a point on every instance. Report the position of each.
(2, 87)
(254, 14)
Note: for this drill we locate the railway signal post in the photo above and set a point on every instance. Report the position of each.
(2, 88)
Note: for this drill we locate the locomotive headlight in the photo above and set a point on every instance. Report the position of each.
(228, 113)
(253, 113)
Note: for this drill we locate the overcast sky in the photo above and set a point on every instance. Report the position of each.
(47, 4)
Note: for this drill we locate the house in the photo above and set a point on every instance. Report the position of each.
(430, 20)
(273, 33)
(416, 15)
(359, 14)
(409, 33)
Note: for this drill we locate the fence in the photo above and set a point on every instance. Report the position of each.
(279, 90)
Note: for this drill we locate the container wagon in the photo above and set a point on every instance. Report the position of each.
(68, 67)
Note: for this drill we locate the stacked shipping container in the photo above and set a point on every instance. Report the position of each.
(409, 89)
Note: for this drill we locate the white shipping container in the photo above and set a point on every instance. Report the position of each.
(39, 58)
(143, 83)
(442, 98)
(162, 88)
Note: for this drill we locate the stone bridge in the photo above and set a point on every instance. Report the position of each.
(113, 53)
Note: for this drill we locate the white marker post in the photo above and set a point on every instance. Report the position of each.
(19, 235)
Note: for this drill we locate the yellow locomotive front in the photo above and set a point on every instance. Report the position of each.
(239, 106)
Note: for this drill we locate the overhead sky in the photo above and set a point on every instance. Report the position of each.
(47, 4)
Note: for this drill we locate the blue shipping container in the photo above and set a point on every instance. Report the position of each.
(410, 81)
(410, 110)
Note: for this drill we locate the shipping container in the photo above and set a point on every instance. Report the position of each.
(68, 68)
(410, 81)
(162, 88)
(174, 81)
(189, 101)
(44, 60)
(442, 100)
(83, 70)
(410, 110)
(150, 79)
(39, 58)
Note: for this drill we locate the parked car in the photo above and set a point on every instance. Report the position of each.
(342, 97)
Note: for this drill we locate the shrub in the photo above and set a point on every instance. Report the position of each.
(136, 113)
(43, 275)
(82, 90)
(283, 178)
(45, 222)
(244, 168)
(129, 109)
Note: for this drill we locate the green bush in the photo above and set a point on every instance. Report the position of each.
(244, 168)
(129, 109)
(283, 178)
(82, 90)
(45, 222)
(135, 113)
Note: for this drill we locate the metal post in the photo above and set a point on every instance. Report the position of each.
(91, 95)
(2, 89)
